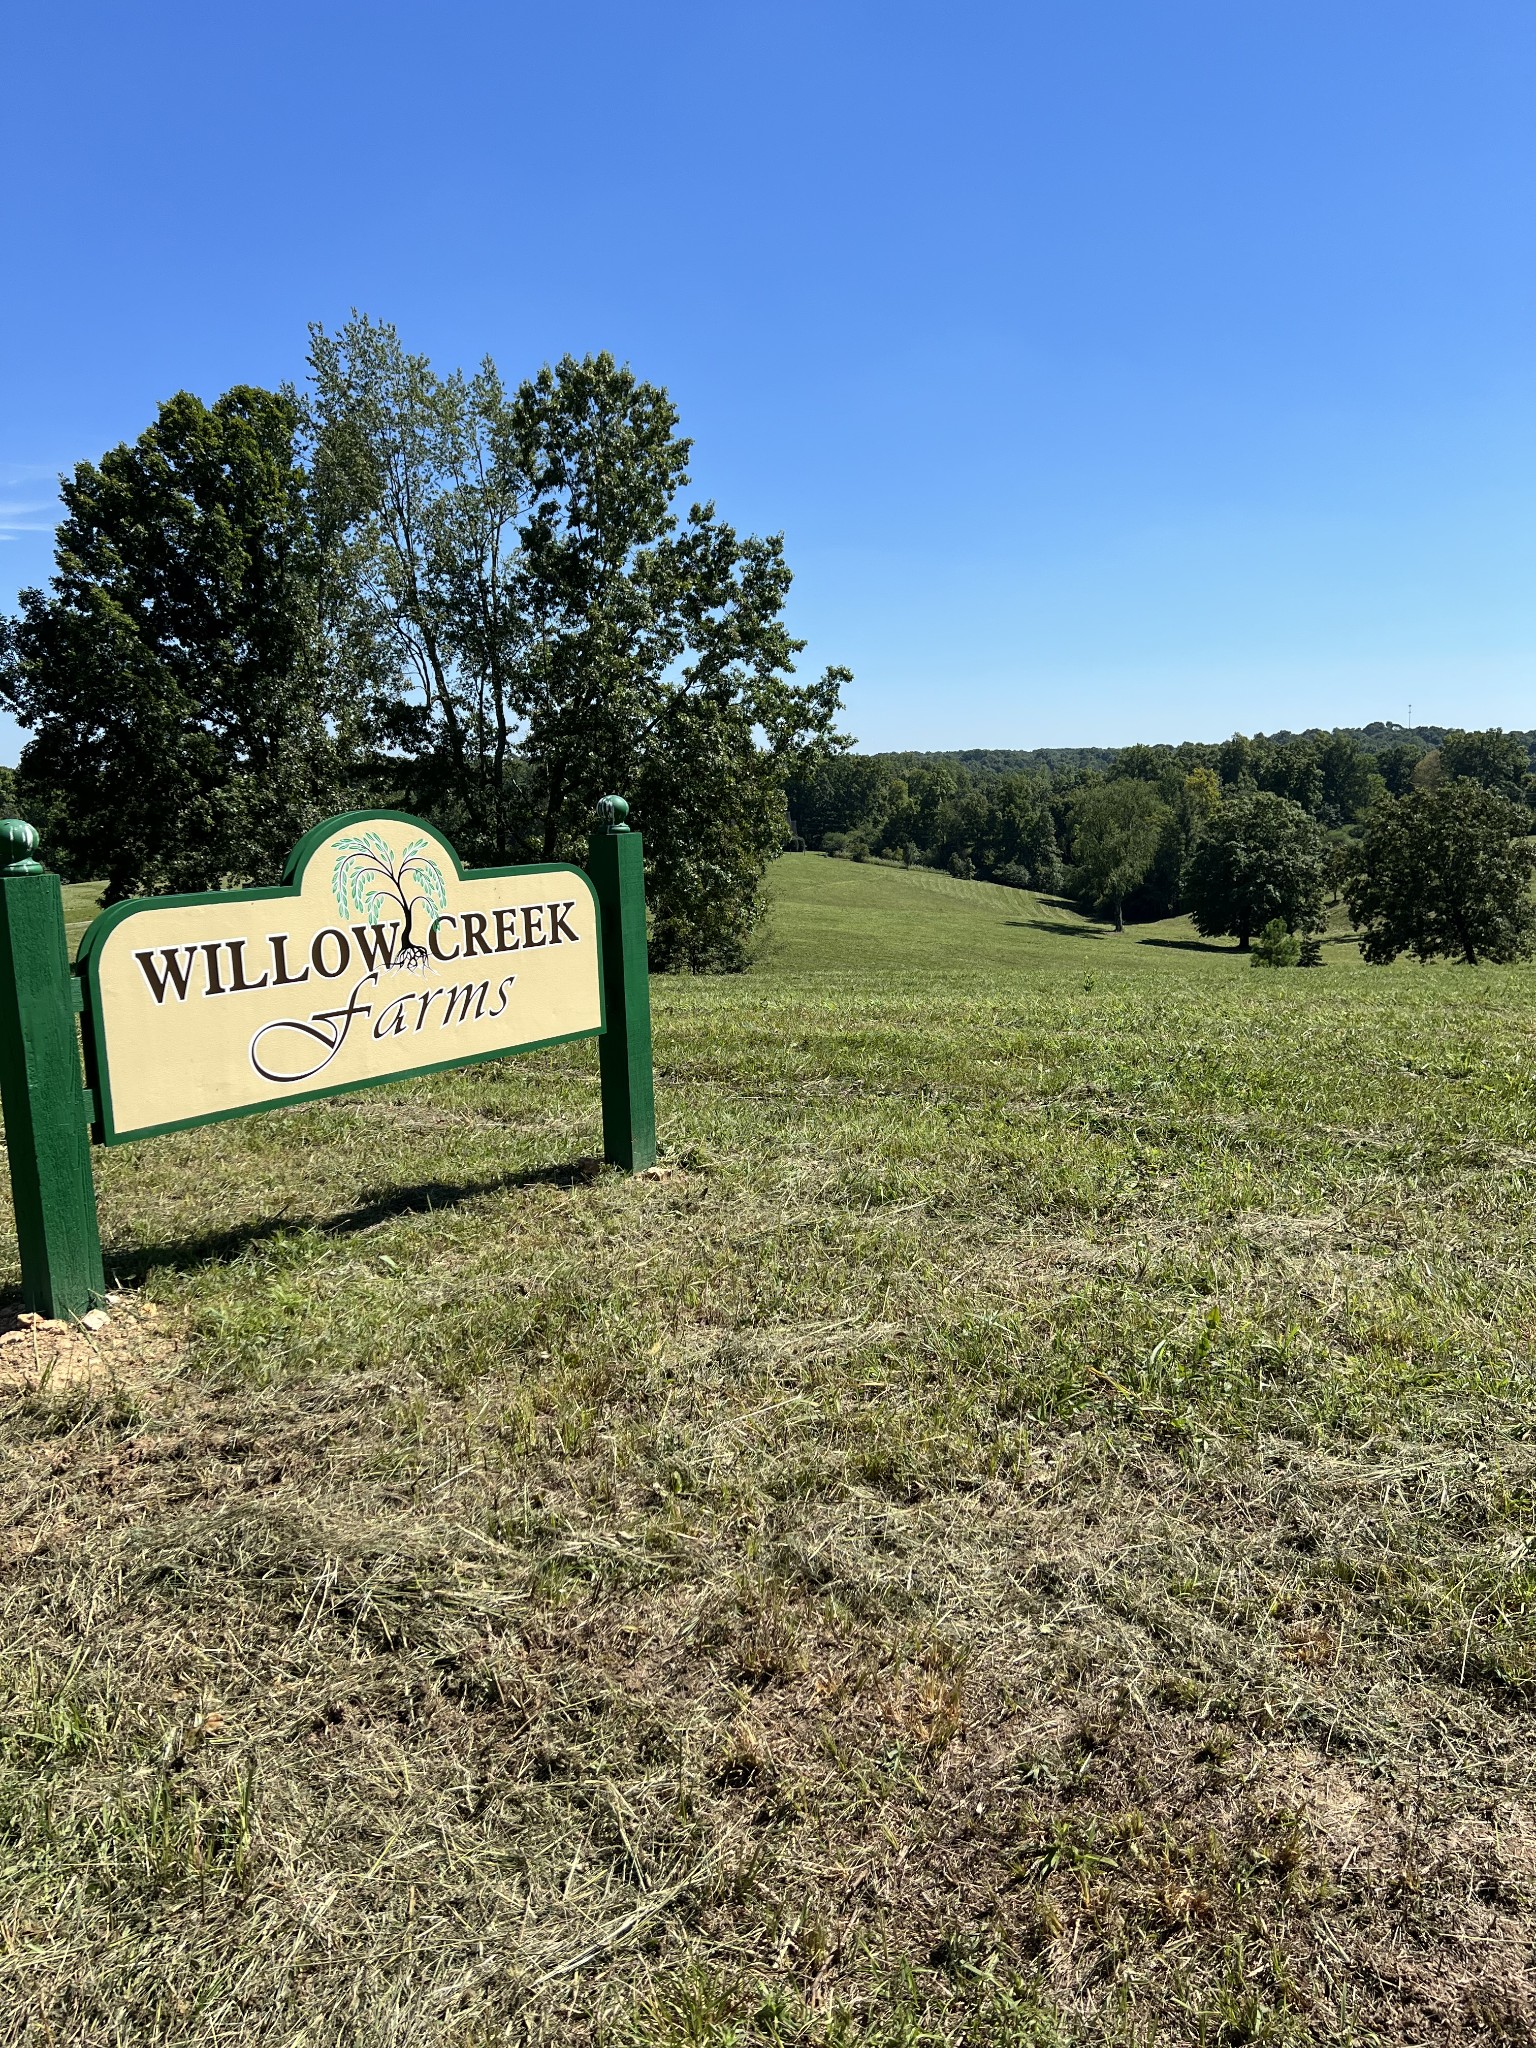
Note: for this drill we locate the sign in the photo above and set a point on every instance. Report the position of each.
(379, 957)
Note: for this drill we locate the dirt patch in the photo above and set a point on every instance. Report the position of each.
(123, 1346)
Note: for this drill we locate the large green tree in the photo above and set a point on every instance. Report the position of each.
(1117, 828)
(1395, 765)
(174, 677)
(565, 623)
(420, 483)
(1018, 833)
(1258, 857)
(661, 664)
(1495, 758)
(1445, 871)
(1351, 780)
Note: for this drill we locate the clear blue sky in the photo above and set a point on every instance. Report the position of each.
(1116, 369)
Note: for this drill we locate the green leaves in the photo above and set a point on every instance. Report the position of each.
(183, 727)
(362, 880)
(1276, 947)
(489, 607)
(1116, 830)
(1258, 857)
(1496, 759)
(560, 626)
(370, 879)
(1445, 871)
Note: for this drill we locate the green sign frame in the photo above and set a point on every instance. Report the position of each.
(49, 1119)
(98, 1068)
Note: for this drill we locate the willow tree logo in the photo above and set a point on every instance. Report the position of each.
(370, 882)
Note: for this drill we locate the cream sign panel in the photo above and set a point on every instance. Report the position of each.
(380, 957)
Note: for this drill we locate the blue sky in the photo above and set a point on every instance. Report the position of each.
(1114, 371)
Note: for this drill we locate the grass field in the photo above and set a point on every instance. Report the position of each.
(1020, 1531)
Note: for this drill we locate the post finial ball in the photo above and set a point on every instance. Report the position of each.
(18, 842)
(611, 814)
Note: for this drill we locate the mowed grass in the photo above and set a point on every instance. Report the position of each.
(837, 916)
(1021, 1532)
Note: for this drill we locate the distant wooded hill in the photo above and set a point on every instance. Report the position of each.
(1375, 738)
(1021, 815)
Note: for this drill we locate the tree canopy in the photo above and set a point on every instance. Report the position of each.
(1496, 759)
(565, 623)
(1116, 830)
(1445, 872)
(186, 723)
(492, 606)
(1257, 857)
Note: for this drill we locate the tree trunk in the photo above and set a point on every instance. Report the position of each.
(499, 769)
(1242, 942)
(445, 701)
(553, 801)
(1119, 919)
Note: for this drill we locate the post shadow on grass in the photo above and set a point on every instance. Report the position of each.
(132, 1265)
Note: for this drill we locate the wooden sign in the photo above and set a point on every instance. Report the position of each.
(379, 957)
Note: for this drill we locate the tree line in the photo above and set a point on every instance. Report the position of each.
(485, 604)
(1430, 846)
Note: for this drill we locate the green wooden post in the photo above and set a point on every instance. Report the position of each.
(615, 865)
(41, 1090)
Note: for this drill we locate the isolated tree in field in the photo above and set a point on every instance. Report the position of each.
(1116, 830)
(1258, 857)
(1445, 872)
(173, 678)
(1275, 946)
